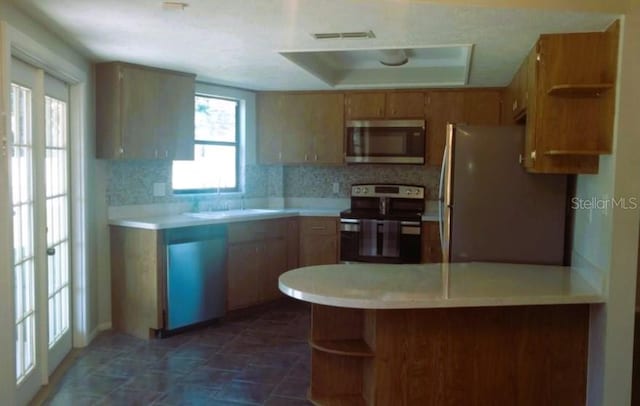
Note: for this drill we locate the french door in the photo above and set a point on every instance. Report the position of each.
(39, 167)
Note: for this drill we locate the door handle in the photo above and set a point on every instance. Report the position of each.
(51, 251)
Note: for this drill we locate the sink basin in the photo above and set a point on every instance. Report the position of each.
(230, 213)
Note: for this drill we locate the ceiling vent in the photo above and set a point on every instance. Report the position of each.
(344, 35)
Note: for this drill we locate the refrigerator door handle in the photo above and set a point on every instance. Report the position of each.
(446, 203)
(441, 199)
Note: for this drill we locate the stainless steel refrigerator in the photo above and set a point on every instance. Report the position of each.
(491, 209)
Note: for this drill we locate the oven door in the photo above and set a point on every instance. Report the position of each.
(380, 241)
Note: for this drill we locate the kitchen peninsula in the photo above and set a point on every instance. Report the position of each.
(446, 334)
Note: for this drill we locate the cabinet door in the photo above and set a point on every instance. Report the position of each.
(140, 109)
(530, 131)
(318, 241)
(297, 119)
(369, 105)
(270, 127)
(318, 250)
(431, 248)
(243, 277)
(327, 128)
(175, 124)
(405, 105)
(137, 280)
(482, 107)
(274, 265)
(293, 234)
(442, 107)
(157, 113)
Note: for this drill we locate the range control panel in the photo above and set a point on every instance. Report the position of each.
(393, 191)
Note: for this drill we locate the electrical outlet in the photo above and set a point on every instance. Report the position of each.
(336, 187)
(159, 189)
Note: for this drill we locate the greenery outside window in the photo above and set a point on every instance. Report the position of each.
(215, 166)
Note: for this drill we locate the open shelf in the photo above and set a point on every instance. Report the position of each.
(352, 348)
(555, 152)
(342, 400)
(587, 90)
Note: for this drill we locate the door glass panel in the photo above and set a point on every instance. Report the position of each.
(23, 238)
(57, 214)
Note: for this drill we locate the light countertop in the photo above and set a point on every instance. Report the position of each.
(227, 216)
(381, 286)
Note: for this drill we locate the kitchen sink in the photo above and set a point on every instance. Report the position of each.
(230, 213)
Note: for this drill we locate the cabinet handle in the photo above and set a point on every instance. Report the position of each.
(315, 157)
(533, 155)
(155, 153)
(306, 157)
(121, 151)
(515, 105)
(166, 153)
(520, 159)
(280, 156)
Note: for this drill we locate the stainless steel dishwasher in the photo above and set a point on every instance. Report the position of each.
(196, 278)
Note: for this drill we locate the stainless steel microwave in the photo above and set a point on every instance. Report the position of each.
(386, 141)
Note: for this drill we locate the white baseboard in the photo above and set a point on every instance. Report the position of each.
(94, 333)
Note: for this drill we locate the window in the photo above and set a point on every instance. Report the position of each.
(215, 164)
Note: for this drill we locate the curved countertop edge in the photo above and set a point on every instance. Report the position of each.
(182, 220)
(585, 293)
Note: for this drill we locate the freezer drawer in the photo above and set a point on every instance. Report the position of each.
(196, 279)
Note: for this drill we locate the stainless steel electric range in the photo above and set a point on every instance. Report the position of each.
(383, 224)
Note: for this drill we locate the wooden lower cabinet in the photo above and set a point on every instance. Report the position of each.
(431, 248)
(244, 267)
(258, 252)
(137, 280)
(319, 241)
(514, 355)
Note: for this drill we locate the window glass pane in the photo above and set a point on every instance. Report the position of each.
(214, 167)
(215, 119)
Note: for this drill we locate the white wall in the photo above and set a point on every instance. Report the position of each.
(610, 240)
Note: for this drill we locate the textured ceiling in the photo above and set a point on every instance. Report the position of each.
(237, 43)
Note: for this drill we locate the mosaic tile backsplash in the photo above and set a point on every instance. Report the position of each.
(131, 182)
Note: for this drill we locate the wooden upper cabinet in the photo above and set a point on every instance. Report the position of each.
(405, 105)
(295, 128)
(469, 106)
(570, 111)
(143, 112)
(365, 106)
(442, 107)
(482, 107)
(271, 127)
(384, 105)
(517, 95)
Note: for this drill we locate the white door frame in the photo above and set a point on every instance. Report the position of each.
(16, 43)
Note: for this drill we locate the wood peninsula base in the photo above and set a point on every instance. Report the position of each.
(514, 355)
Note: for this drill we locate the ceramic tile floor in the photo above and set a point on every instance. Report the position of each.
(259, 358)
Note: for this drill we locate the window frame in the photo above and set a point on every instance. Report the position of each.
(235, 144)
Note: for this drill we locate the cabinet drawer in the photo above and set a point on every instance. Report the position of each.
(246, 231)
(319, 225)
(257, 230)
